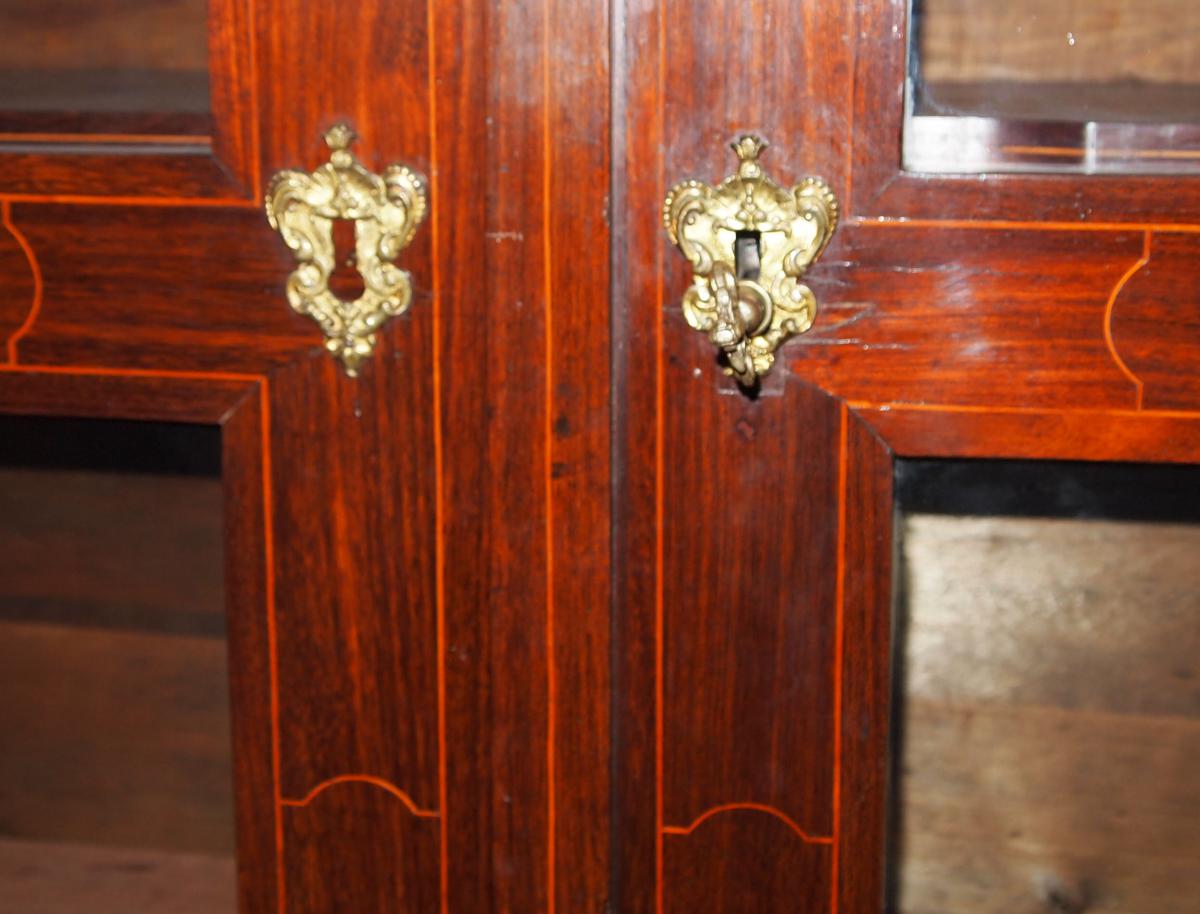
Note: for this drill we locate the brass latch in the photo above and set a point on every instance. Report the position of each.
(749, 241)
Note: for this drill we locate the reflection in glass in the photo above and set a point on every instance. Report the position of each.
(1073, 85)
(104, 67)
(115, 753)
(1048, 694)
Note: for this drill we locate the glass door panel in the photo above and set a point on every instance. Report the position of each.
(1074, 85)
(107, 67)
(115, 745)
(1047, 689)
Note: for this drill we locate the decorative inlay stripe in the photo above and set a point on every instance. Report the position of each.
(1108, 318)
(753, 807)
(363, 779)
(35, 270)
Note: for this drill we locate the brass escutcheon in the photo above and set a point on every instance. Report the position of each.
(749, 241)
(386, 210)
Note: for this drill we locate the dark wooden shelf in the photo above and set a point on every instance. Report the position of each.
(156, 103)
(51, 878)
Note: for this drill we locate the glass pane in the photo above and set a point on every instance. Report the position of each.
(1078, 85)
(1048, 690)
(115, 749)
(104, 67)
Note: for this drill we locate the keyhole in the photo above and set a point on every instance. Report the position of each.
(345, 283)
(746, 255)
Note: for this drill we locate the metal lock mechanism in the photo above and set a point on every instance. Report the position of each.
(750, 241)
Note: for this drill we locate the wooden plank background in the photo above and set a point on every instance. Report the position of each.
(114, 691)
(1066, 40)
(1052, 719)
(104, 34)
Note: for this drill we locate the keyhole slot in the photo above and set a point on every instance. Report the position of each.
(746, 255)
(345, 282)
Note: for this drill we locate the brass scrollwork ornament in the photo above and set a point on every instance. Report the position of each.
(749, 242)
(386, 210)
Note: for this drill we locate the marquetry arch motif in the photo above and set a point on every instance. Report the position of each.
(23, 284)
(1153, 319)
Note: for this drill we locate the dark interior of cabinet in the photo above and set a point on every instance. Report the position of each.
(1046, 689)
(115, 744)
(92, 68)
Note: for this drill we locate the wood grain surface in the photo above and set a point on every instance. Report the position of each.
(1049, 715)
(514, 612)
(119, 560)
(358, 841)
(113, 295)
(149, 712)
(745, 604)
(59, 879)
(995, 317)
(1154, 323)
(1084, 41)
(85, 34)
(683, 472)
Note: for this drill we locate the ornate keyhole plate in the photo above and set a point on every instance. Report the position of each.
(386, 210)
(748, 312)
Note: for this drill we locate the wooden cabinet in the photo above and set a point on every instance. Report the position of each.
(542, 612)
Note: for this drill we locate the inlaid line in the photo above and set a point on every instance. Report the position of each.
(548, 292)
(438, 470)
(659, 483)
(35, 270)
(370, 779)
(753, 807)
(838, 660)
(264, 401)
(1108, 316)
